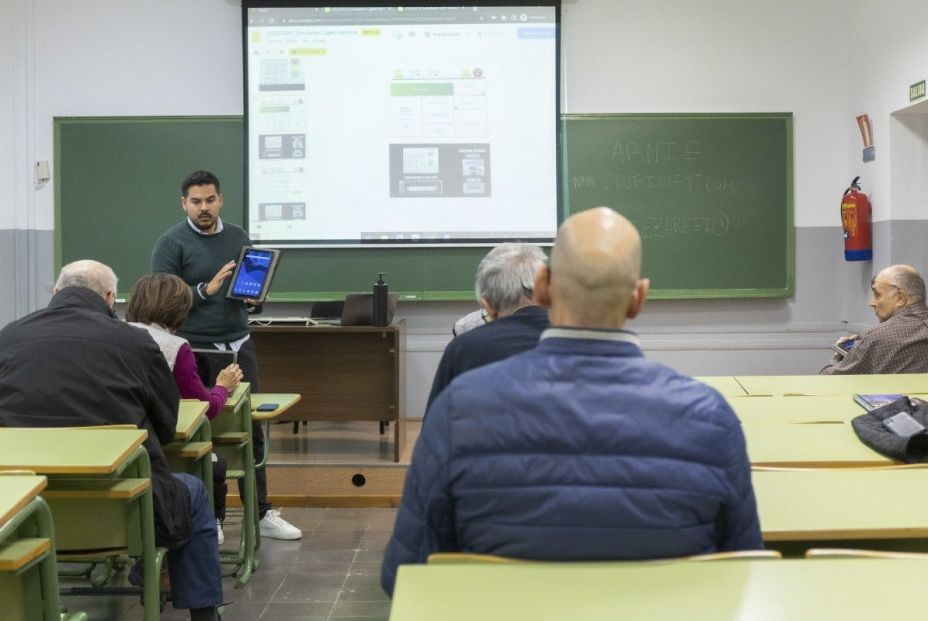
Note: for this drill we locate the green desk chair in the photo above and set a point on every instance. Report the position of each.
(231, 437)
(106, 520)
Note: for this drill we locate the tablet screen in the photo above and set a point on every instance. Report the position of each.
(252, 273)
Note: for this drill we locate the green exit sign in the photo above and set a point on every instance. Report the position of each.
(917, 91)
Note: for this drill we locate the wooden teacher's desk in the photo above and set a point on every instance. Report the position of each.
(798, 590)
(354, 373)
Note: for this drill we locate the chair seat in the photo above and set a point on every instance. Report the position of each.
(231, 437)
(115, 489)
(188, 450)
(20, 553)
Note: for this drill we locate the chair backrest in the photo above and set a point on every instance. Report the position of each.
(853, 553)
(459, 558)
(211, 361)
(740, 554)
(888, 466)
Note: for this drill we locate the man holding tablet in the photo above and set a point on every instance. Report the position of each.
(202, 250)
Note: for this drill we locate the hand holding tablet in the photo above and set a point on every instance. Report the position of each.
(253, 273)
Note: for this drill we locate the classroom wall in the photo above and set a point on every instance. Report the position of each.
(176, 57)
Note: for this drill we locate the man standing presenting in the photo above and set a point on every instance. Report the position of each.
(76, 364)
(581, 448)
(899, 344)
(202, 250)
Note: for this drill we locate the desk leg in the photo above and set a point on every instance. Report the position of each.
(399, 438)
(48, 567)
(151, 568)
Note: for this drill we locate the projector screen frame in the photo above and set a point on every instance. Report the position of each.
(543, 236)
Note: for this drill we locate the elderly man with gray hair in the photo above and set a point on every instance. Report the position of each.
(75, 364)
(504, 286)
(899, 343)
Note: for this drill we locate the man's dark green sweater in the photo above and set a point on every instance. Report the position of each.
(197, 258)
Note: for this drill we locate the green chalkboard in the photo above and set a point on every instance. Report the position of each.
(117, 188)
(710, 194)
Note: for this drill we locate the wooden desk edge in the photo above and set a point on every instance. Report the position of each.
(120, 459)
(262, 416)
(39, 484)
(846, 533)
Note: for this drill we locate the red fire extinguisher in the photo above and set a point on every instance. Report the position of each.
(855, 219)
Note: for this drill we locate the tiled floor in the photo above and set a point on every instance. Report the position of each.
(332, 573)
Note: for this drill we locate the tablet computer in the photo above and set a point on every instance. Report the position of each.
(253, 273)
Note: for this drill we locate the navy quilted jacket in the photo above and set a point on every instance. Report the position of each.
(578, 449)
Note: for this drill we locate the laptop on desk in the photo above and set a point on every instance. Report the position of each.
(211, 361)
(359, 309)
(356, 310)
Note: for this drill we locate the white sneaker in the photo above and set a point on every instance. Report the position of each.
(275, 527)
(219, 534)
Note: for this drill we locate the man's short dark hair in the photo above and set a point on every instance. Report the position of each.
(200, 177)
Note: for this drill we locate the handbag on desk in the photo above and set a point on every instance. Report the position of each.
(870, 429)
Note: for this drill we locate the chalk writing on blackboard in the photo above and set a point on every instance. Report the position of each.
(656, 152)
(683, 226)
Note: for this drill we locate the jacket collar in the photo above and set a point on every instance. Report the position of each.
(81, 297)
(592, 334)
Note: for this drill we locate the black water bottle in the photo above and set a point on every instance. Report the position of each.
(381, 290)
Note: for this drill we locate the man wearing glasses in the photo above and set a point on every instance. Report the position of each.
(899, 344)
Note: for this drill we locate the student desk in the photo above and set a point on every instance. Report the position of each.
(811, 446)
(727, 385)
(855, 503)
(191, 450)
(798, 590)
(796, 410)
(231, 437)
(69, 451)
(28, 582)
(766, 385)
(346, 373)
(284, 401)
(99, 491)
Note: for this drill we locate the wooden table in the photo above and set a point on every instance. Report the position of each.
(191, 416)
(344, 373)
(829, 446)
(284, 401)
(794, 590)
(842, 503)
(70, 451)
(17, 491)
(796, 410)
(766, 385)
(725, 384)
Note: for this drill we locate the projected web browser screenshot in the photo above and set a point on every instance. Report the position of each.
(402, 125)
